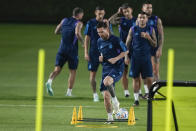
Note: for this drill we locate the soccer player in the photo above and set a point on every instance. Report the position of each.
(125, 20)
(156, 23)
(112, 51)
(70, 29)
(143, 38)
(93, 56)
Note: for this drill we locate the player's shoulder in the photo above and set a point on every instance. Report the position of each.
(91, 21)
(114, 38)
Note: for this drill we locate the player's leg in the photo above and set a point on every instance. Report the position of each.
(108, 105)
(73, 65)
(147, 74)
(146, 89)
(60, 61)
(93, 65)
(71, 80)
(93, 86)
(125, 81)
(49, 89)
(135, 73)
(155, 65)
(108, 83)
(136, 87)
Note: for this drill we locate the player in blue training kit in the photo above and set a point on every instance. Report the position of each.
(125, 20)
(112, 51)
(156, 23)
(143, 39)
(93, 56)
(70, 29)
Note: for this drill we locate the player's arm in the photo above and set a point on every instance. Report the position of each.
(58, 28)
(115, 19)
(78, 32)
(86, 42)
(128, 42)
(121, 55)
(152, 40)
(160, 37)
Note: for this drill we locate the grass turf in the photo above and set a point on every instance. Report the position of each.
(18, 66)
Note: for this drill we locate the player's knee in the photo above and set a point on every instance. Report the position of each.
(108, 81)
(57, 70)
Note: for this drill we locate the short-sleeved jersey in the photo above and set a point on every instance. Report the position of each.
(111, 48)
(69, 41)
(152, 21)
(124, 27)
(141, 47)
(91, 31)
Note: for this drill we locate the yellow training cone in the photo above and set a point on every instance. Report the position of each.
(80, 114)
(131, 120)
(74, 117)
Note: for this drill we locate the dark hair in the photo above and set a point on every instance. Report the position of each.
(146, 2)
(143, 13)
(99, 8)
(125, 6)
(102, 24)
(77, 11)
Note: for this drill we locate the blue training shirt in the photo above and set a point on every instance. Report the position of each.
(91, 31)
(111, 48)
(125, 25)
(141, 47)
(152, 21)
(69, 41)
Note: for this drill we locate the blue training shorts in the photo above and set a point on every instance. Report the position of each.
(141, 66)
(61, 59)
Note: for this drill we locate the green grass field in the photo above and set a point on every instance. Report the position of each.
(19, 46)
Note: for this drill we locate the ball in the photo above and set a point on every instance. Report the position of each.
(122, 114)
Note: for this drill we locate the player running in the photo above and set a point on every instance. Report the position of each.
(143, 38)
(70, 29)
(112, 51)
(125, 20)
(156, 23)
(93, 56)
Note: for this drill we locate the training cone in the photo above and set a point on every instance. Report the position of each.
(131, 120)
(74, 117)
(80, 114)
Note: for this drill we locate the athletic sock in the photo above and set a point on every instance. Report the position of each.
(95, 95)
(110, 117)
(69, 90)
(126, 92)
(146, 89)
(49, 81)
(136, 96)
(114, 100)
(140, 91)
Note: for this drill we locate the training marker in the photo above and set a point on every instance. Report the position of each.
(74, 117)
(170, 71)
(131, 119)
(80, 115)
(40, 81)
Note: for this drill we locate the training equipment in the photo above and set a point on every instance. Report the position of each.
(131, 119)
(122, 114)
(74, 117)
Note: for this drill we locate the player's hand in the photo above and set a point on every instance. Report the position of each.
(159, 53)
(145, 35)
(86, 57)
(127, 60)
(100, 58)
(120, 11)
(112, 60)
